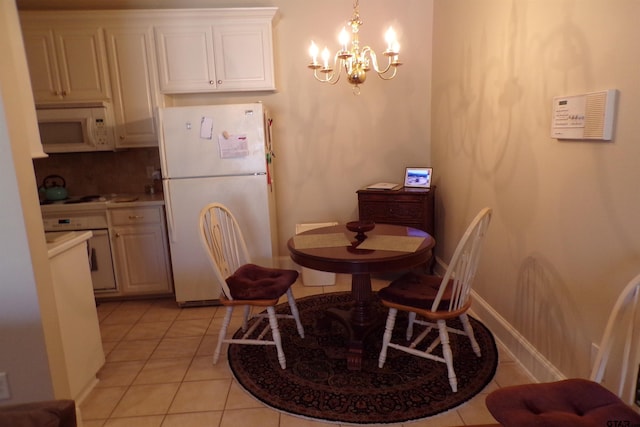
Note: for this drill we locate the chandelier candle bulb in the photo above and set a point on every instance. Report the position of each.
(325, 58)
(390, 38)
(395, 54)
(344, 39)
(313, 51)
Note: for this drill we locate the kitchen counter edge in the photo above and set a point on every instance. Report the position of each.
(72, 239)
(140, 200)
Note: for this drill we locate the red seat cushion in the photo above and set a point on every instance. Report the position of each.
(573, 402)
(414, 290)
(251, 282)
(54, 413)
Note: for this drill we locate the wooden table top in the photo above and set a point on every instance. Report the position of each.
(351, 260)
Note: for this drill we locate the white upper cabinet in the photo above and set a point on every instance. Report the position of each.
(216, 51)
(133, 83)
(185, 58)
(66, 61)
(244, 56)
(130, 57)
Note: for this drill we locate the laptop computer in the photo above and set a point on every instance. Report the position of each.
(418, 177)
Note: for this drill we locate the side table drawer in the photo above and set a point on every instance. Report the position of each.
(400, 213)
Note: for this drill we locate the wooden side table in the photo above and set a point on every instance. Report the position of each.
(413, 207)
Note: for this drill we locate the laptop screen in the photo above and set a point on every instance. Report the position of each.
(418, 177)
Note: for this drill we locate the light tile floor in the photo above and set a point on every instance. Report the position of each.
(158, 372)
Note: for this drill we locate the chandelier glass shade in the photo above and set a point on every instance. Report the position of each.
(355, 60)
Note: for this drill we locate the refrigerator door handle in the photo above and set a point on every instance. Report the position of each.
(169, 210)
(161, 145)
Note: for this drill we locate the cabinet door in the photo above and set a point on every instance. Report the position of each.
(66, 64)
(133, 83)
(140, 253)
(43, 67)
(82, 64)
(185, 59)
(243, 56)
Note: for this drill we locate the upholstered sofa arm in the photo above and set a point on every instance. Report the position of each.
(54, 413)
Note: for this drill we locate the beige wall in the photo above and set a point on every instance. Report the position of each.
(329, 143)
(565, 237)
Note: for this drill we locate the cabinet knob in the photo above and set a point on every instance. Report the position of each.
(64, 93)
(136, 216)
(219, 82)
(121, 137)
(211, 82)
(117, 234)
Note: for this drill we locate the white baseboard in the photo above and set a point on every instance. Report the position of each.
(520, 350)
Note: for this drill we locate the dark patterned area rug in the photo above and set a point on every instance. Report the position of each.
(318, 385)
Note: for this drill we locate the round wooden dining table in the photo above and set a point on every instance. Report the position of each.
(360, 263)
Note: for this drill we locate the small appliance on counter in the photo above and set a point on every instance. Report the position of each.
(53, 188)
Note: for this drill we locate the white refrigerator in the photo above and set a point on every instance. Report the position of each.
(215, 153)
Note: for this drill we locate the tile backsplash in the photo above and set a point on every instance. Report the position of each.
(101, 172)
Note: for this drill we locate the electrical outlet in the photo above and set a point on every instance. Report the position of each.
(4, 386)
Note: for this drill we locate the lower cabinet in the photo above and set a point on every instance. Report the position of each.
(140, 251)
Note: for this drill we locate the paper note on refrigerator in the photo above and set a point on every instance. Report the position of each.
(206, 128)
(233, 146)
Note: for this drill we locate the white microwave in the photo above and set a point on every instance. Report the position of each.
(71, 128)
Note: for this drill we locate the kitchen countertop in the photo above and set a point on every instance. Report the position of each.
(133, 200)
(108, 201)
(61, 241)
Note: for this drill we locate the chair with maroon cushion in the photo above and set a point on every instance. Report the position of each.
(580, 402)
(437, 299)
(245, 284)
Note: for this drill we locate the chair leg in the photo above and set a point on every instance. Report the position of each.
(412, 319)
(294, 312)
(245, 319)
(275, 332)
(469, 331)
(448, 355)
(388, 331)
(223, 334)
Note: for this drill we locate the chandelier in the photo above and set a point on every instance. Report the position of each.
(355, 60)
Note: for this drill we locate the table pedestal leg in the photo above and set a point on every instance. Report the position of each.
(358, 320)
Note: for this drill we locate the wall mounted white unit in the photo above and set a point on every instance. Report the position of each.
(585, 117)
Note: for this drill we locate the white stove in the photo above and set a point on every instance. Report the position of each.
(80, 214)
